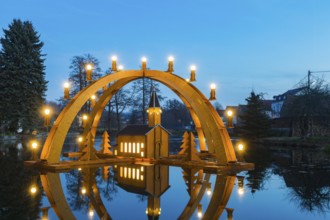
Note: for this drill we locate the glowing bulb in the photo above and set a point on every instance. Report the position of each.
(240, 191)
(170, 58)
(79, 169)
(120, 67)
(85, 117)
(144, 59)
(240, 147)
(33, 189)
(66, 85)
(47, 111)
(230, 113)
(89, 67)
(199, 214)
(213, 86)
(187, 80)
(93, 97)
(34, 145)
(192, 67)
(114, 58)
(80, 139)
(208, 192)
(91, 213)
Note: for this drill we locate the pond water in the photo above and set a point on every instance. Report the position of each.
(287, 183)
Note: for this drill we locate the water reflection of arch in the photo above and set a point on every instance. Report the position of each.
(52, 186)
(212, 125)
(222, 190)
(221, 193)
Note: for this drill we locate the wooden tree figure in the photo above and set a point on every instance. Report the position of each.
(105, 173)
(190, 178)
(185, 142)
(190, 149)
(89, 152)
(105, 144)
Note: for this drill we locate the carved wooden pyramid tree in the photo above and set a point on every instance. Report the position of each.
(190, 179)
(185, 142)
(105, 144)
(89, 152)
(188, 147)
(105, 172)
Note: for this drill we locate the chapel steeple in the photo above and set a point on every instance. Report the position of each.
(154, 110)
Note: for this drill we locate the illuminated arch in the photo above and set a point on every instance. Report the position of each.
(203, 113)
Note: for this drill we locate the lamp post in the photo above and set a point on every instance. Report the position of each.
(212, 93)
(34, 146)
(47, 118)
(230, 119)
(170, 64)
(89, 69)
(66, 90)
(192, 73)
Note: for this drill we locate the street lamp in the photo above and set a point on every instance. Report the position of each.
(192, 73)
(170, 64)
(144, 63)
(66, 90)
(230, 119)
(114, 63)
(89, 69)
(34, 146)
(47, 117)
(212, 94)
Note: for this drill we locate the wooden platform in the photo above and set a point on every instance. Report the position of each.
(208, 167)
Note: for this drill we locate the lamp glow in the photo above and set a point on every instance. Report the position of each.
(230, 113)
(213, 86)
(89, 67)
(114, 63)
(170, 64)
(93, 97)
(34, 145)
(80, 139)
(120, 67)
(47, 111)
(33, 189)
(240, 147)
(192, 73)
(66, 85)
(83, 190)
(144, 63)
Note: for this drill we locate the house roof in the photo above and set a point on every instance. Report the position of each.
(154, 102)
(132, 130)
(135, 130)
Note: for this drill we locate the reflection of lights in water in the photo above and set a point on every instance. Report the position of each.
(83, 190)
(199, 211)
(209, 192)
(147, 211)
(240, 191)
(91, 213)
(79, 169)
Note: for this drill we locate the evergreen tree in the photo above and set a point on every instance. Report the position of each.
(22, 83)
(255, 122)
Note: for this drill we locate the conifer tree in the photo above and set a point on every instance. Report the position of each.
(22, 83)
(255, 122)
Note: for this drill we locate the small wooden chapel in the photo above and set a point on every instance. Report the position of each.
(144, 141)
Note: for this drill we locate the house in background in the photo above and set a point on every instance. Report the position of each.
(146, 141)
(279, 100)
